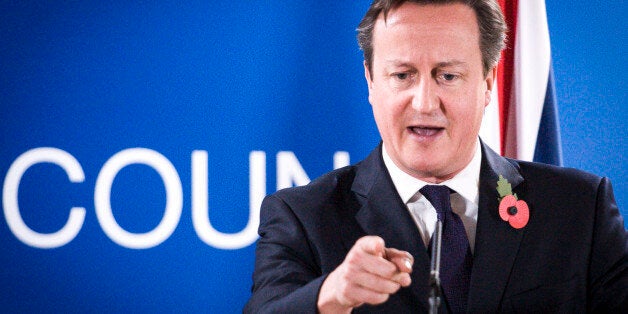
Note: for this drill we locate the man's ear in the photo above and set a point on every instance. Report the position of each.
(367, 75)
(491, 76)
(369, 81)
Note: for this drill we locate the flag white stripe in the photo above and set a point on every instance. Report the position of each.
(531, 68)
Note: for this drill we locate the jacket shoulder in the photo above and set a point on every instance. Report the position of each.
(539, 173)
(330, 187)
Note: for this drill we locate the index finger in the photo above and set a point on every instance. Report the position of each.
(402, 259)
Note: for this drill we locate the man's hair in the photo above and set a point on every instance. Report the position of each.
(488, 13)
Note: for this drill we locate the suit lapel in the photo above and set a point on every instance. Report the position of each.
(383, 213)
(497, 243)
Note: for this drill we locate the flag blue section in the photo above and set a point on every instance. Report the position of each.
(548, 147)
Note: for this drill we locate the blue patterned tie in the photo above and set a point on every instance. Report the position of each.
(456, 257)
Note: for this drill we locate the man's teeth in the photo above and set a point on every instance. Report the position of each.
(423, 131)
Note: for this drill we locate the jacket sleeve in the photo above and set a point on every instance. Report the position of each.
(287, 277)
(608, 269)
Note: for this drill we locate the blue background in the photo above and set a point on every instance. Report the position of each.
(95, 78)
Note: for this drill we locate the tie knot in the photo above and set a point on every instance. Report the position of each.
(438, 195)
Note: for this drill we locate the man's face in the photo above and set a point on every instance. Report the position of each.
(427, 88)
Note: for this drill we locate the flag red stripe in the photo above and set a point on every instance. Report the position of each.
(506, 68)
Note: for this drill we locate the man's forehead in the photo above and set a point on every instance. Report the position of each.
(436, 36)
(426, 14)
(444, 27)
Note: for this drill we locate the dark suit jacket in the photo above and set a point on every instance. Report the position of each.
(571, 257)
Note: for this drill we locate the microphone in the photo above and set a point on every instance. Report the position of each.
(435, 288)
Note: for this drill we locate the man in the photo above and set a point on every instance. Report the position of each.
(533, 238)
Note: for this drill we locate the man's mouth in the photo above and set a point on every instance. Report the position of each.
(426, 131)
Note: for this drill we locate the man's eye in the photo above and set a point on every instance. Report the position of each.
(401, 76)
(448, 77)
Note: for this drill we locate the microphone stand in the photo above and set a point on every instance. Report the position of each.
(435, 288)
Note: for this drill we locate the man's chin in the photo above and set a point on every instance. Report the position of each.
(429, 172)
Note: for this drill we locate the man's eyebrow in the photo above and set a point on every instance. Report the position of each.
(443, 64)
(451, 63)
(399, 63)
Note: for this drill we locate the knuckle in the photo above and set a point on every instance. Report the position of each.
(352, 257)
(389, 270)
(392, 287)
(381, 298)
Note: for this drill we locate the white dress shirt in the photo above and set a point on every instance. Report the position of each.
(464, 202)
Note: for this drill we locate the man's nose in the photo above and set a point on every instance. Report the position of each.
(425, 99)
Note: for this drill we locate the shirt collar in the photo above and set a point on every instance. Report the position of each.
(465, 183)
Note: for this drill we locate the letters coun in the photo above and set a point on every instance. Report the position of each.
(289, 173)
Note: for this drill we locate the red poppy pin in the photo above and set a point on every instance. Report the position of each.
(511, 209)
